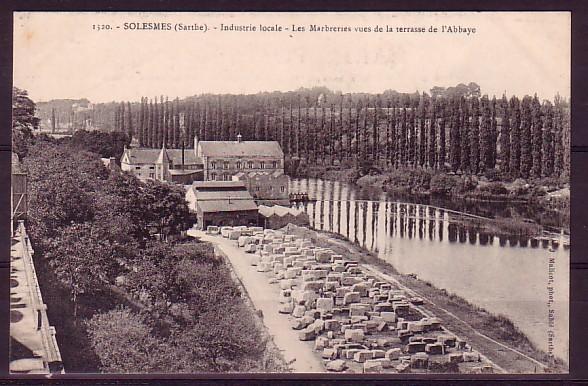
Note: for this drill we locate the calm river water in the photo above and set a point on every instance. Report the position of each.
(508, 276)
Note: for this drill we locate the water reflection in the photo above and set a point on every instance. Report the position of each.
(338, 209)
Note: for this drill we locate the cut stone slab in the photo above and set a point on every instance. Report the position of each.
(354, 335)
(338, 365)
(362, 355)
(306, 334)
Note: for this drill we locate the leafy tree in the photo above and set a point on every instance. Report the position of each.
(82, 259)
(24, 121)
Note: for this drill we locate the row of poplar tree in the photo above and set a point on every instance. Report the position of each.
(463, 133)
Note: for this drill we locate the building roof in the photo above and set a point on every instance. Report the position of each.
(268, 211)
(224, 201)
(138, 156)
(208, 185)
(244, 148)
(227, 206)
(162, 157)
(244, 175)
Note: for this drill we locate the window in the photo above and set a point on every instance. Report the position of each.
(213, 165)
(250, 164)
(151, 175)
(274, 164)
(239, 165)
(270, 188)
(213, 176)
(225, 165)
(282, 188)
(257, 188)
(262, 165)
(151, 167)
(137, 167)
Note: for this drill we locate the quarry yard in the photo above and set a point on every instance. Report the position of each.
(328, 313)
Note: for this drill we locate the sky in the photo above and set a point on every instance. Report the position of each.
(64, 55)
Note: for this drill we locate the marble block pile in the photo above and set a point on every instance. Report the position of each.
(353, 319)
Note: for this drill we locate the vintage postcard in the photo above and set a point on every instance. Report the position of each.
(258, 192)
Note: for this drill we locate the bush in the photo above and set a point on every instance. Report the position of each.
(444, 185)
(496, 188)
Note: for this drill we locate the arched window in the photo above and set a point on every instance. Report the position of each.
(225, 165)
(250, 164)
(239, 165)
(275, 164)
(213, 165)
(282, 188)
(213, 177)
(262, 165)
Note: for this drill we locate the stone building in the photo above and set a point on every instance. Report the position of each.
(268, 187)
(175, 165)
(223, 159)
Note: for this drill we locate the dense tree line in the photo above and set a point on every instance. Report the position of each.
(449, 129)
(455, 129)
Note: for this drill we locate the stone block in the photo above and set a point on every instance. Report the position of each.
(313, 286)
(254, 260)
(456, 357)
(382, 326)
(393, 354)
(383, 307)
(286, 308)
(415, 327)
(358, 309)
(487, 369)
(389, 317)
(361, 288)
(385, 362)
(414, 347)
(285, 296)
(354, 335)
(329, 353)
(349, 353)
(338, 365)
(286, 284)
(338, 268)
(306, 334)
(318, 325)
(371, 326)
(400, 308)
(263, 267)
(379, 354)
(326, 304)
(321, 343)
(298, 324)
(471, 356)
(447, 340)
(314, 314)
(372, 366)
(403, 368)
(351, 297)
(298, 311)
(330, 286)
(362, 355)
(434, 348)
(419, 361)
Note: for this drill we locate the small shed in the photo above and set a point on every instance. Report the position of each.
(222, 203)
(277, 216)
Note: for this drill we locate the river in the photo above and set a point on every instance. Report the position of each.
(524, 279)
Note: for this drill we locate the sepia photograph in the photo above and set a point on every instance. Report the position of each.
(290, 192)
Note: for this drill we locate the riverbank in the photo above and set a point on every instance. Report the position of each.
(493, 335)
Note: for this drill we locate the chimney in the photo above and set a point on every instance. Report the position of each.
(239, 138)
